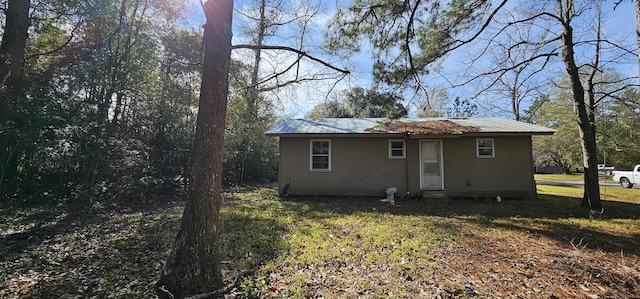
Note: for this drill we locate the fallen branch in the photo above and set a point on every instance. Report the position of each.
(166, 291)
(578, 246)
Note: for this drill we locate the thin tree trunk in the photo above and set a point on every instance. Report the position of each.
(121, 72)
(515, 105)
(252, 97)
(194, 264)
(584, 116)
(637, 6)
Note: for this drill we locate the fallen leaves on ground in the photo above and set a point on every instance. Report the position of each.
(120, 254)
(103, 255)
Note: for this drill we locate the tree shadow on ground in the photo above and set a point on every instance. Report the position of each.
(248, 241)
(106, 256)
(555, 217)
(563, 219)
(28, 225)
(121, 255)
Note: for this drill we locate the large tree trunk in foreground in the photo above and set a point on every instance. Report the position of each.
(14, 41)
(194, 264)
(12, 52)
(584, 116)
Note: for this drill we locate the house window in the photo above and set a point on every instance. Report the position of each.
(397, 149)
(320, 155)
(485, 148)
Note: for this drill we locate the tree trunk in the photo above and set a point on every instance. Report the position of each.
(12, 52)
(252, 96)
(515, 101)
(584, 117)
(637, 6)
(194, 264)
(14, 41)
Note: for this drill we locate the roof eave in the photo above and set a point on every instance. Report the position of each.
(326, 135)
(508, 133)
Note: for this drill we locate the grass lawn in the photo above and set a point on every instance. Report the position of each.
(574, 177)
(341, 248)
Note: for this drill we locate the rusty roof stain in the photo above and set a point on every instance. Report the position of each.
(435, 127)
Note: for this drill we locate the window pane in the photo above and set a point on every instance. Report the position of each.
(485, 148)
(321, 147)
(397, 144)
(430, 150)
(485, 152)
(431, 167)
(397, 153)
(320, 162)
(485, 143)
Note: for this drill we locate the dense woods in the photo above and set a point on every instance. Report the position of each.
(99, 102)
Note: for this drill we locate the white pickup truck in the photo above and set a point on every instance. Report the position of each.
(627, 177)
(603, 168)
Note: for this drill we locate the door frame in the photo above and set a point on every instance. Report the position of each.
(439, 141)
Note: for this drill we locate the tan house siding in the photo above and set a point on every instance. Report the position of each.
(508, 174)
(360, 166)
(360, 162)
(413, 165)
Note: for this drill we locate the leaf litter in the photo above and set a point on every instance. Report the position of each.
(121, 254)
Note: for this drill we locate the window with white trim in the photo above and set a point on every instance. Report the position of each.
(320, 155)
(485, 148)
(397, 149)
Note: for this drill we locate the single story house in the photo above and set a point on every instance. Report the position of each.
(427, 157)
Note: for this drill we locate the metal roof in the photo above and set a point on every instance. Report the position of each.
(364, 125)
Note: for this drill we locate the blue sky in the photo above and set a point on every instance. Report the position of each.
(298, 101)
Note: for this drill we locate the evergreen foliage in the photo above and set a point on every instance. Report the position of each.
(462, 108)
(108, 109)
(358, 102)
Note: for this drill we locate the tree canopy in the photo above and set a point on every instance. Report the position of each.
(360, 102)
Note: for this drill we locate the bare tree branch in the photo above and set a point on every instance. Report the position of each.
(299, 52)
(407, 42)
(300, 80)
(503, 70)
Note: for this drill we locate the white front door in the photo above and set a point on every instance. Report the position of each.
(431, 165)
